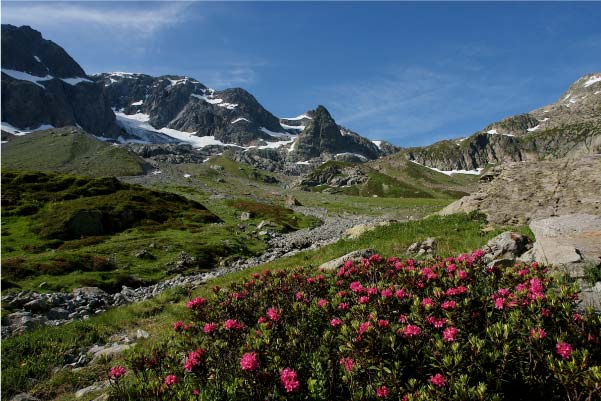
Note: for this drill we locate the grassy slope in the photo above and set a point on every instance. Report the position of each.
(34, 354)
(395, 177)
(69, 150)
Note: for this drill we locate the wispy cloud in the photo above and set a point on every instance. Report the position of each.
(117, 18)
(418, 102)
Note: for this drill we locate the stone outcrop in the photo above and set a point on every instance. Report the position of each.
(522, 192)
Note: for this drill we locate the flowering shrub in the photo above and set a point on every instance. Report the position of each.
(448, 329)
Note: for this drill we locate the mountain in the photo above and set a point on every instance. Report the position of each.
(42, 86)
(569, 127)
(181, 106)
(70, 150)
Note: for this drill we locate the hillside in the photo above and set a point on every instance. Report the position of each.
(569, 127)
(69, 150)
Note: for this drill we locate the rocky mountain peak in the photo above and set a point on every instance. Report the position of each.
(25, 50)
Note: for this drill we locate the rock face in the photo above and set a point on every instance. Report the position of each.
(323, 136)
(567, 128)
(521, 192)
(42, 85)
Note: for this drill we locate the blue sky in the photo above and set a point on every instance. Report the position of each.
(410, 73)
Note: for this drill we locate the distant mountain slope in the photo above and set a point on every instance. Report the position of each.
(43, 86)
(176, 103)
(568, 127)
(69, 150)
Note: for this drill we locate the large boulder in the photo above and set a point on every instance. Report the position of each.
(354, 256)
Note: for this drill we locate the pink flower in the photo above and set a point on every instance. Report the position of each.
(177, 326)
(322, 303)
(116, 372)
(363, 300)
(272, 313)
(382, 392)
(299, 296)
(564, 350)
(499, 303)
(451, 268)
(363, 327)
(336, 322)
(249, 361)
(449, 334)
(343, 306)
(411, 331)
(538, 333)
(375, 258)
(262, 319)
(386, 293)
(577, 317)
(462, 274)
(289, 380)
(372, 291)
(383, 323)
(193, 359)
(209, 328)
(232, 324)
(449, 305)
(400, 294)
(438, 380)
(427, 302)
(196, 392)
(357, 287)
(196, 303)
(170, 380)
(347, 364)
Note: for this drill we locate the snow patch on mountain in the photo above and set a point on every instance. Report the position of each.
(302, 116)
(275, 134)
(592, 80)
(450, 172)
(23, 76)
(23, 131)
(296, 127)
(138, 103)
(360, 156)
(378, 144)
(240, 119)
(533, 128)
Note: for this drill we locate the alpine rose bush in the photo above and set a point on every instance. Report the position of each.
(443, 329)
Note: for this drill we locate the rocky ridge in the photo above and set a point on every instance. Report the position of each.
(567, 128)
(42, 86)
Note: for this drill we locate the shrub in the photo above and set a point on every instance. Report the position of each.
(447, 329)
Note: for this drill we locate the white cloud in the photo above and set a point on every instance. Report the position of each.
(118, 18)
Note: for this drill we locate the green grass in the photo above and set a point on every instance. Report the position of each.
(69, 150)
(34, 354)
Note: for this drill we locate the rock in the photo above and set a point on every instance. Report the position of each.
(102, 397)
(145, 254)
(141, 334)
(507, 245)
(110, 351)
(89, 292)
(568, 241)
(291, 201)
(57, 314)
(526, 191)
(24, 397)
(262, 224)
(355, 256)
(94, 387)
(183, 262)
(500, 263)
(37, 305)
(244, 216)
(426, 246)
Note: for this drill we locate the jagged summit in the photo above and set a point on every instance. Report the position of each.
(42, 86)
